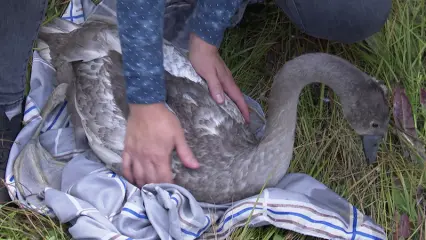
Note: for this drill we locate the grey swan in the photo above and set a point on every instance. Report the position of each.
(234, 164)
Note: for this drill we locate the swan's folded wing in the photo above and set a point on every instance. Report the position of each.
(100, 98)
(199, 113)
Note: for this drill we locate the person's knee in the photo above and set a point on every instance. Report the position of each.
(343, 21)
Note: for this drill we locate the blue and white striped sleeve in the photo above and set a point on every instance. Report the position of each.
(140, 26)
(211, 19)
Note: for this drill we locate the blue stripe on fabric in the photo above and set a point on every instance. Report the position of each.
(236, 215)
(142, 216)
(71, 8)
(173, 198)
(355, 222)
(310, 220)
(113, 175)
(187, 231)
(354, 232)
(57, 115)
(199, 231)
(73, 17)
(29, 109)
(122, 181)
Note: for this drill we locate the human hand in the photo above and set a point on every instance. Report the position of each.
(151, 135)
(207, 62)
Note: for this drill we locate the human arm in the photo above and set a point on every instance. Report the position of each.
(152, 130)
(212, 18)
(207, 25)
(140, 25)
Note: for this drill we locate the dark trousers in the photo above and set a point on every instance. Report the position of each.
(19, 24)
(346, 21)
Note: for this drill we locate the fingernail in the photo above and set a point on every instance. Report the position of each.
(219, 98)
(195, 162)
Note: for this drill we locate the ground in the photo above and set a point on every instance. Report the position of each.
(393, 191)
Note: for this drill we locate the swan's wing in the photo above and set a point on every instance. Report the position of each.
(218, 141)
(197, 113)
(100, 101)
(201, 117)
(83, 56)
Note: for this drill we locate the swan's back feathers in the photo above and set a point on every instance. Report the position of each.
(220, 143)
(90, 41)
(100, 100)
(53, 36)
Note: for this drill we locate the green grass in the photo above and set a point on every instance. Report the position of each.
(326, 147)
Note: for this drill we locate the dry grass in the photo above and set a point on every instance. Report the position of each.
(326, 147)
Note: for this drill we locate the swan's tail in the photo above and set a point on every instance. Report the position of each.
(52, 37)
(62, 42)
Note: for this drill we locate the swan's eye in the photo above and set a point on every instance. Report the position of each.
(374, 125)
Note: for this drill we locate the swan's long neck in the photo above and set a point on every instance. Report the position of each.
(275, 150)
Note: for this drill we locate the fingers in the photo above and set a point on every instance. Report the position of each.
(127, 167)
(233, 91)
(158, 170)
(236, 95)
(185, 153)
(147, 171)
(222, 81)
(138, 173)
(148, 144)
(150, 173)
(164, 172)
(215, 88)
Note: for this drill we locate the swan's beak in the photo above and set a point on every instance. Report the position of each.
(371, 145)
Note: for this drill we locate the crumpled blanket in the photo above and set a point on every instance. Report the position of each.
(98, 204)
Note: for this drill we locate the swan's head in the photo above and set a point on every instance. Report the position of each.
(367, 111)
